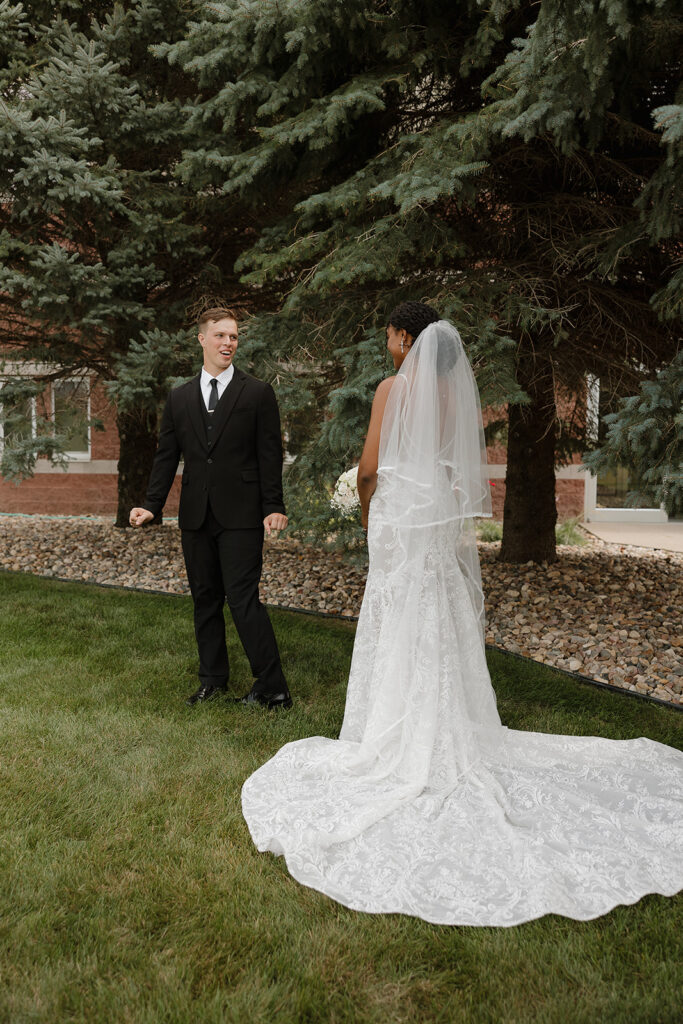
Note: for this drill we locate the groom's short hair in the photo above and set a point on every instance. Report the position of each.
(213, 314)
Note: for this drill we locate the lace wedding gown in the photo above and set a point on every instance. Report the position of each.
(426, 804)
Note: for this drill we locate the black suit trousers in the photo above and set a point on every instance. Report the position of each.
(226, 565)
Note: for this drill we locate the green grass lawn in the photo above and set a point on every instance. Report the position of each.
(130, 890)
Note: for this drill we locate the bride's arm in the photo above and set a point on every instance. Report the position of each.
(367, 467)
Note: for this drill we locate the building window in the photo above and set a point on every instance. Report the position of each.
(612, 484)
(64, 408)
(17, 420)
(612, 487)
(71, 415)
(605, 494)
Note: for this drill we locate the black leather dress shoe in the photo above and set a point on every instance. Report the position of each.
(272, 701)
(207, 691)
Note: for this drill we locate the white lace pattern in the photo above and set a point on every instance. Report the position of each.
(427, 805)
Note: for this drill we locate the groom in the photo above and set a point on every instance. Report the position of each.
(226, 425)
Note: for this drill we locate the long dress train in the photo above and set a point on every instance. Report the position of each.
(426, 804)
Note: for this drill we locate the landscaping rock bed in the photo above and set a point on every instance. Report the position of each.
(607, 612)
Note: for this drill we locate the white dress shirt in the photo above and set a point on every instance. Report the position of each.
(223, 379)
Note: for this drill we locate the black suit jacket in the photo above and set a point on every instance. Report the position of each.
(239, 470)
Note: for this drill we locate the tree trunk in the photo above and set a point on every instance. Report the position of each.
(138, 442)
(530, 513)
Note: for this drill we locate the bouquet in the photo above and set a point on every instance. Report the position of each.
(345, 498)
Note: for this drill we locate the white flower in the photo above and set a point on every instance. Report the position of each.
(345, 498)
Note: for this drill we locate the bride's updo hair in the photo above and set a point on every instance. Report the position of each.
(413, 317)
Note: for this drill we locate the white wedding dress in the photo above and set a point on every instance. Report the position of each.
(426, 804)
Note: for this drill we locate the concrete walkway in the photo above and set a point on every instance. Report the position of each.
(665, 536)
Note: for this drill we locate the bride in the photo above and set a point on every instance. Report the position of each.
(427, 804)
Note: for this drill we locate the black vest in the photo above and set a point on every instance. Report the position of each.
(207, 417)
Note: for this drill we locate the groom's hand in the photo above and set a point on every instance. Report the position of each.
(275, 522)
(140, 516)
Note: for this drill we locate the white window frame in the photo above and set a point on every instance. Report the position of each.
(591, 512)
(29, 369)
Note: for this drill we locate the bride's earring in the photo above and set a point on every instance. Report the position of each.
(401, 345)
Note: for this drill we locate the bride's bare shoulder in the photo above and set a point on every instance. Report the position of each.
(384, 387)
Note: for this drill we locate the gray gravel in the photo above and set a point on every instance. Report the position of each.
(607, 612)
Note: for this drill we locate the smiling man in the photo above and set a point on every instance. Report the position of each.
(226, 425)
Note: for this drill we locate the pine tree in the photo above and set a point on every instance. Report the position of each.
(101, 248)
(516, 166)
(587, 86)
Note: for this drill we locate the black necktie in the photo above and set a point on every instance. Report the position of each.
(213, 397)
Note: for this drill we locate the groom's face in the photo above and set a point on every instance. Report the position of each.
(219, 342)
